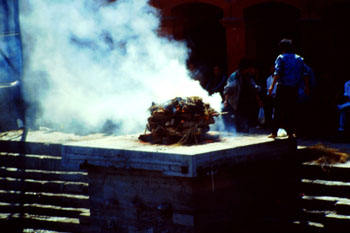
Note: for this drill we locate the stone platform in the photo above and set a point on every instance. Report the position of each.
(244, 183)
(175, 160)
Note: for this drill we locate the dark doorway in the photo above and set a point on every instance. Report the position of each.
(337, 31)
(199, 25)
(266, 25)
(334, 60)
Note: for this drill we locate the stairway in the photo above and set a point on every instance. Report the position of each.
(37, 194)
(325, 197)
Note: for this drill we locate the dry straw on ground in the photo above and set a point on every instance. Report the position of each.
(325, 155)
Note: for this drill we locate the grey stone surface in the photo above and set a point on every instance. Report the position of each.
(174, 160)
(128, 152)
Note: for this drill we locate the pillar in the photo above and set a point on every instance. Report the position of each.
(235, 40)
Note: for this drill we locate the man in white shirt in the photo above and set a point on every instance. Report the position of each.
(345, 107)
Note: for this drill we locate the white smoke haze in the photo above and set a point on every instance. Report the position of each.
(87, 62)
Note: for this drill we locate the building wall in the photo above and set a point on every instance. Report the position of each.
(320, 29)
(235, 26)
(232, 21)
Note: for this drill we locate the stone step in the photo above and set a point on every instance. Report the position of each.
(325, 188)
(316, 216)
(53, 186)
(37, 174)
(30, 148)
(30, 161)
(337, 223)
(16, 223)
(335, 172)
(45, 198)
(339, 205)
(330, 220)
(314, 203)
(43, 210)
(308, 227)
(343, 208)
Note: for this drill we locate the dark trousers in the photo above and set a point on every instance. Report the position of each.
(286, 108)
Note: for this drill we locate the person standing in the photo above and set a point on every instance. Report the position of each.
(241, 96)
(289, 72)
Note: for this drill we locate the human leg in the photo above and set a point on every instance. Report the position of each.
(277, 119)
(290, 98)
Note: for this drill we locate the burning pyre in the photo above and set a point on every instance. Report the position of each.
(183, 121)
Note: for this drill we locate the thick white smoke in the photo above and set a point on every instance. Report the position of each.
(89, 61)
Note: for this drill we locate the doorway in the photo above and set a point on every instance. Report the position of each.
(266, 24)
(199, 25)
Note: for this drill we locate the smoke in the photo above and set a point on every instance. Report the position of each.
(89, 62)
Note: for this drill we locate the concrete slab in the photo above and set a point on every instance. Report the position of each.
(131, 142)
(174, 160)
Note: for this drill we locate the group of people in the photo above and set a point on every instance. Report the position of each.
(287, 86)
(243, 97)
(285, 100)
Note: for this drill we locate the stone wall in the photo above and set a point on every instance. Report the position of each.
(249, 197)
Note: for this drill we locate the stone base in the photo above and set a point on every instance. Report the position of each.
(247, 198)
(253, 195)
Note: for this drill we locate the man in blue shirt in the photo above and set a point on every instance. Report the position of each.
(289, 72)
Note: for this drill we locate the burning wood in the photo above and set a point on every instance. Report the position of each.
(183, 121)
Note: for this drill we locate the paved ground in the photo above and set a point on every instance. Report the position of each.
(340, 142)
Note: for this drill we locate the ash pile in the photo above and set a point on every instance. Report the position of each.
(182, 121)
